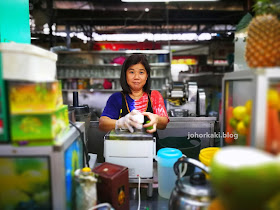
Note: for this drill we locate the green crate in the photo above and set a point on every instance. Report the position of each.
(4, 130)
(39, 129)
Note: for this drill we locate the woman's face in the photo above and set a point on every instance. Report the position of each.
(136, 77)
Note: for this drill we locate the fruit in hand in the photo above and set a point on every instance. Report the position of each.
(150, 127)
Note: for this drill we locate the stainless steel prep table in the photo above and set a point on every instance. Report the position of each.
(184, 126)
(178, 126)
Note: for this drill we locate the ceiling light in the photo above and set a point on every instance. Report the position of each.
(140, 1)
(151, 37)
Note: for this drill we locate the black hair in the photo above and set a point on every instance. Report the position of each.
(132, 60)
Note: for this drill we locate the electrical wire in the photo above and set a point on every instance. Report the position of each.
(139, 195)
(101, 205)
(83, 142)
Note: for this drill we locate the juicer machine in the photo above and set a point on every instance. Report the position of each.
(184, 99)
(134, 150)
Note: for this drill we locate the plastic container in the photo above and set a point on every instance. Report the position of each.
(86, 193)
(166, 157)
(206, 155)
(189, 147)
(27, 62)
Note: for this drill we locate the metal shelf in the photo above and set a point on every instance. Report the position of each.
(91, 90)
(201, 74)
(87, 64)
(88, 77)
(152, 77)
(96, 90)
(116, 52)
(105, 65)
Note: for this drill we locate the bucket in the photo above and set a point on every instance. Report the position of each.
(206, 155)
(166, 158)
(189, 147)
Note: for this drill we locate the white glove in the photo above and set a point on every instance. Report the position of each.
(132, 119)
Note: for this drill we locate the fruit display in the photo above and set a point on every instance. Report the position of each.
(263, 42)
(273, 121)
(245, 177)
(238, 122)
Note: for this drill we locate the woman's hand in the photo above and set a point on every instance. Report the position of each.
(134, 119)
(153, 121)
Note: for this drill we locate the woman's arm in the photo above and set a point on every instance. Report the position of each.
(106, 124)
(162, 122)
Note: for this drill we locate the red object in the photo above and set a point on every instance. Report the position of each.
(119, 60)
(272, 131)
(107, 84)
(229, 130)
(113, 185)
(126, 46)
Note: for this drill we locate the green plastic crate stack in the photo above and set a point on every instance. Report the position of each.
(4, 132)
(37, 115)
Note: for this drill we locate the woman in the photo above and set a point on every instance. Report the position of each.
(123, 108)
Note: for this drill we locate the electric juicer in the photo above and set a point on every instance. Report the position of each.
(134, 150)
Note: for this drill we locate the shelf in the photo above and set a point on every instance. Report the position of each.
(59, 78)
(106, 65)
(201, 74)
(96, 90)
(91, 90)
(116, 52)
(152, 77)
(86, 65)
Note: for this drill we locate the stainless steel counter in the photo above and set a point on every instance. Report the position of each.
(178, 126)
(201, 127)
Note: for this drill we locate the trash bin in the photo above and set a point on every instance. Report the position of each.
(189, 147)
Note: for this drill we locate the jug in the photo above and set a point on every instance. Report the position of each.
(166, 157)
(191, 192)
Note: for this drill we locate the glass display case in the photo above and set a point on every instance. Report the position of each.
(42, 177)
(251, 108)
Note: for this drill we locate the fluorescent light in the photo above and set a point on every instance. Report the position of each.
(152, 37)
(140, 1)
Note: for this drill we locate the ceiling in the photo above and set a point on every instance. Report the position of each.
(114, 16)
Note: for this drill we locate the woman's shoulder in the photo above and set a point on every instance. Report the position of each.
(155, 93)
(116, 95)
